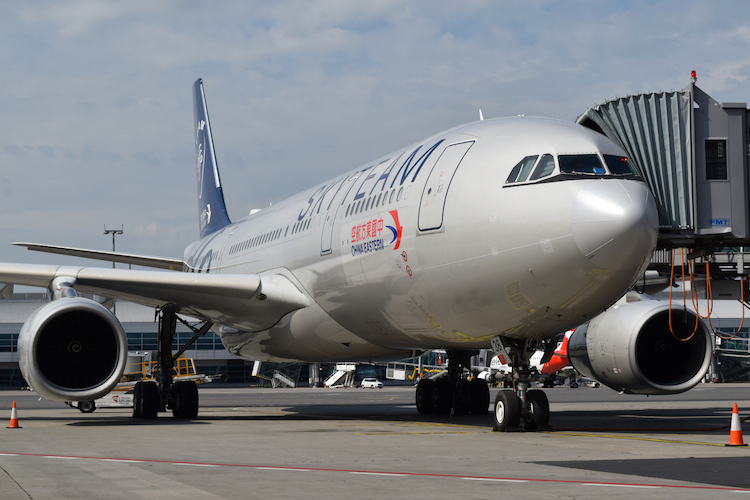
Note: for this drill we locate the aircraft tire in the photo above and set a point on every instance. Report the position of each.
(442, 397)
(86, 406)
(462, 397)
(186, 400)
(480, 396)
(137, 409)
(424, 396)
(149, 399)
(539, 406)
(507, 410)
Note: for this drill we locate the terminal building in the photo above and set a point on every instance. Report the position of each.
(731, 340)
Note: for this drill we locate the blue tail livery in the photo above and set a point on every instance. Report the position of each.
(211, 208)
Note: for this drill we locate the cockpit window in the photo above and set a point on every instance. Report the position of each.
(549, 168)
(618, 165)
(521, 171)
(581, 164)
(546, 167)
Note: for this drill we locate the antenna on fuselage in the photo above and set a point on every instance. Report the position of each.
(481, 118)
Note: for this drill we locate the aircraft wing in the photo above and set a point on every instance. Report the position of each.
(249, 302)
(124, 258)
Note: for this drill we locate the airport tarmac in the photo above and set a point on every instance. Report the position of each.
(349, 443)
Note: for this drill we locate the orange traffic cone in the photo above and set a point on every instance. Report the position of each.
(735, 429)
(13, 418)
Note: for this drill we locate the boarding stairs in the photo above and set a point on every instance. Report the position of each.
(343, 376)
(281, 380)
(278, 374)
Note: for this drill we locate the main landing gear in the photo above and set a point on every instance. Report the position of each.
(181, 397)
(521, 408)
(452, 391)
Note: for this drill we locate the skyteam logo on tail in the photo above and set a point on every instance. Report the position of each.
(206, 216)
(200, 155)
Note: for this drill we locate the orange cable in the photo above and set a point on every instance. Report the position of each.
(695, 299)
(684, 305)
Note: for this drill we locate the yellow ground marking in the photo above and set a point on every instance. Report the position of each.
(388, 433)
(635, 438)
(471, 429)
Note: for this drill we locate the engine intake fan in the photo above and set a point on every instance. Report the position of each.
(72, 349)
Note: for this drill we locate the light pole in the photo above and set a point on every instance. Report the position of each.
(113, 232)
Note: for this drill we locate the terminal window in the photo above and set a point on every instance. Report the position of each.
(716, 159)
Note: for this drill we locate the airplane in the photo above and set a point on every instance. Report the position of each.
(501, 232)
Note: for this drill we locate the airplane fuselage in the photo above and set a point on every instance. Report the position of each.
(431, 247)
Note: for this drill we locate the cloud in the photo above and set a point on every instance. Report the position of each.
(98, 110)
(14, 150)
(82, 17)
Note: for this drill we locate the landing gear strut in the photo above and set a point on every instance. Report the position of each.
(180, 397)
(520, 408)
(452, 391)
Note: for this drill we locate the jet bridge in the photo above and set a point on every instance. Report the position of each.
(692, 151)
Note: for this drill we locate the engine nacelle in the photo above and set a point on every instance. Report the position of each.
(630, 348)
(72, 349)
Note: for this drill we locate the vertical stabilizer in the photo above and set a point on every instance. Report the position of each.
(211, 208)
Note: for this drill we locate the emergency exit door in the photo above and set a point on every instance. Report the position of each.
(432, 205)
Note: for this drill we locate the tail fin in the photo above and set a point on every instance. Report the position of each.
(211, 208)
(560, 359)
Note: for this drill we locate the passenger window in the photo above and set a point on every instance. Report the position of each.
(618, 165)
(546, 167)
(521, 170)
(581, 164)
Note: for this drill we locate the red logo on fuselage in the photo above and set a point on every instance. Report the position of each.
(396, 230)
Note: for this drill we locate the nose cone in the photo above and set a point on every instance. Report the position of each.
(615, 224)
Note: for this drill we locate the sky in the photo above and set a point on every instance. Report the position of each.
(96, 108)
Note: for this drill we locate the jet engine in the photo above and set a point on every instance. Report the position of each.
(630, 348)
(72, 349)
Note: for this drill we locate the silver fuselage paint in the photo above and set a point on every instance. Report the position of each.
(444, 255)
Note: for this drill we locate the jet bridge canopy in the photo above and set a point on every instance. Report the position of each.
(692, 152)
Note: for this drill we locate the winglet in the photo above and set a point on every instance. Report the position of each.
(211, 208)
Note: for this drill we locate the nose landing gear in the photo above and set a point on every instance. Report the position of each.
(521, 408)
